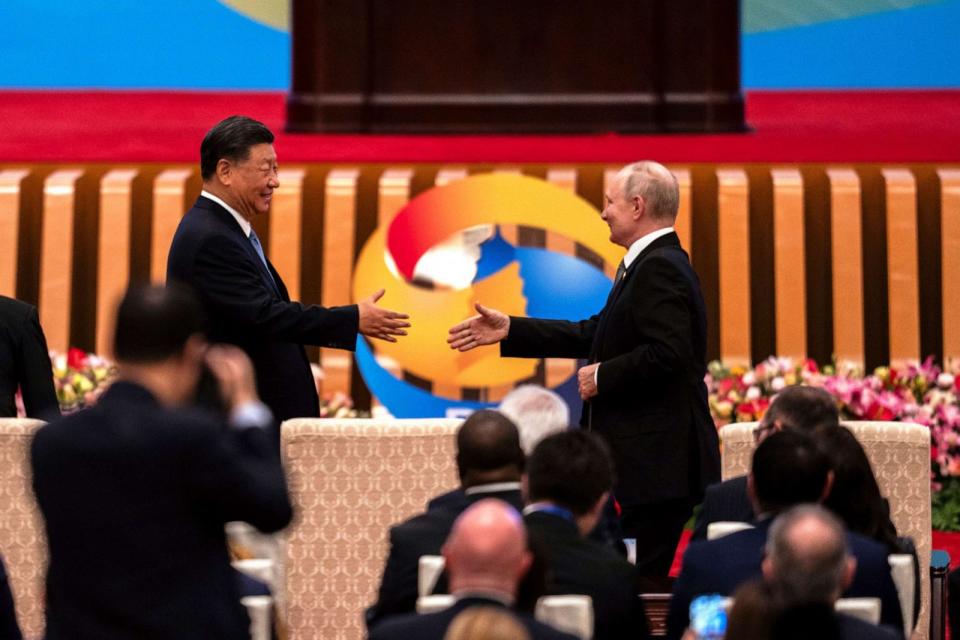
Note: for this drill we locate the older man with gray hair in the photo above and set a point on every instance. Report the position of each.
(808, 563)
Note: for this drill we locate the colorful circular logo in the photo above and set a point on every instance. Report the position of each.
(525, 281)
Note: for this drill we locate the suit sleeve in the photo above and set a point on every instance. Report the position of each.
(35, 371)
(237, 474)
(534, 338)
(234, 288)
(663, 319)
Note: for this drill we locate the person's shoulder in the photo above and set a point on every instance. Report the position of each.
(15, 312)
(431, 521)
(855, 629)
(864, 547)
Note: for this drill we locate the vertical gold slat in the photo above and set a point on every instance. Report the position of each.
(339, 227)
(557, 370)
(56, 256)
(608, 175)
(789, 260)
(509, 232)
(169, 190)
(392, 194)
(684, 223)
(10, 181)
(847, 263)
(903, 277)
(113, 249)
(286, 228)
(734, 253)
(950, 265)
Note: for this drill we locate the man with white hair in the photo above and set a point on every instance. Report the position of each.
(808, 563)
(643, 386)
(486, 556)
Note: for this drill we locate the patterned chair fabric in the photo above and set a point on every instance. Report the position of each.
(350, 480)
(900, 455)
(22, 540)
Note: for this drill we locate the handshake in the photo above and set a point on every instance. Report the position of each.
(489, 326)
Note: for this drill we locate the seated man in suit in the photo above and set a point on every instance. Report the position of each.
(808, 565)
(796, 407)
(9, 629)
(135, 491)
(24, 363)
(486, 556)
(489, 462)
(537, 412)
(788, 469)
(568, 480)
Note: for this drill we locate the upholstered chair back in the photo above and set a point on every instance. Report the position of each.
(350, 481)
(900, 455)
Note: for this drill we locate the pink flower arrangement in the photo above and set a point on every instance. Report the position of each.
(918, 392)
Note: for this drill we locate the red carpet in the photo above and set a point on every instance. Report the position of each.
(891, 126)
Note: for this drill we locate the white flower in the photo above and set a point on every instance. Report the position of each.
(753, 393)
(777, 384)
(748, 378)
(945, 380)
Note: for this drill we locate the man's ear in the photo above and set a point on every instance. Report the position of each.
(767, 568)
(639, 206)
(224, 169)
(525, 488)
(849, 572)
(827, 486)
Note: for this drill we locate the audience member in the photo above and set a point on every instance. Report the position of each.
(753, 612)
(486, 556)
(486, 623)
(536, 412)
(568, 480)
(9, 629)
(788, 469)
(135, 491)
(807, 564)
(489, 462)
(796, 407)
(24, 363)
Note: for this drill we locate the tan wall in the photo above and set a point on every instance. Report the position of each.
(861, 261)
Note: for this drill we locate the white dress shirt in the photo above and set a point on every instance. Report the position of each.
(243, 222)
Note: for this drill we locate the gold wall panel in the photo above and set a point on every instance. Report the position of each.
(847, 263)
(113, 249)
(286, 225)
(734, 266)
(56, 256)
(950, 261)
(789, 254)
(903, 279)
(169, 205)
(10, 185)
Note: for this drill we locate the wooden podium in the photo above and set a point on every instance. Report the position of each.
(461, 66)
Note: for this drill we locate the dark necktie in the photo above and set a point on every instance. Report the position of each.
(621, 269)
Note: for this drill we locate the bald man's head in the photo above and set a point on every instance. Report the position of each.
(487, 548)
(488, 449)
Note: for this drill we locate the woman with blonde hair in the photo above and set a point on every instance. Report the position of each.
(486, 623)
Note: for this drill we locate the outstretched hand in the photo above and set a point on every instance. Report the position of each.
(376, 322)
(487, 327)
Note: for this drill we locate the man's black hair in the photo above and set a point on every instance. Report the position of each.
(154, 323)
(805, 408)
(788, 469)
(572, 469)
(488, 441)
(231, 139)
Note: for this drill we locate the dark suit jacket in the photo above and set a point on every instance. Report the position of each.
(422, 535)
(580, 566)
(725, 501)
(650, 339)
(722, 565)
(9, 629)
(855, 629)
(433, 626)
(135, 497)
(24, 362)
(247, 308)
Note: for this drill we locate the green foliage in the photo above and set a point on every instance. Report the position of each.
(946, 506)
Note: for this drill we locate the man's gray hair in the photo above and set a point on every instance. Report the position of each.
(656, 185)
(807, 569)
(537, 412)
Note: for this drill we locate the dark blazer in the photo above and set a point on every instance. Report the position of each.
(581, 566)
(433, 626)
(650, 339)
(855, 629)
(249, 307)
(725, 501)
(9, 629)
(722, 565)
(135, 497)
(24, 362)
(422, 535)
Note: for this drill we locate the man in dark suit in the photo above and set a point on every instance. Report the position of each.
(808, 563)
(135, 491)
(643, 388)
(9, 629)
(489, 461)
(24, 362)
(216, 251)
(796, 407)
(486, 556)
(788, 470)
(568, 479)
